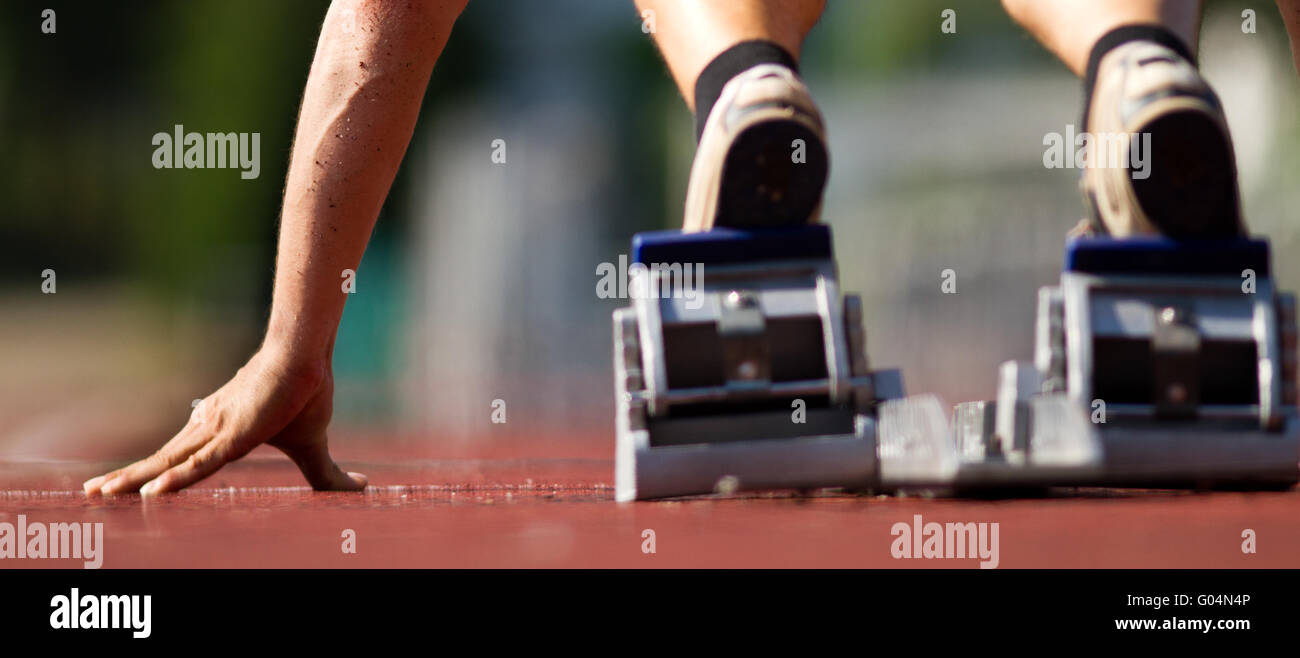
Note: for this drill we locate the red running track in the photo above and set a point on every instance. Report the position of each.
(526, 508)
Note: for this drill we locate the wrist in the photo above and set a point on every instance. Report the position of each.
(293, 359)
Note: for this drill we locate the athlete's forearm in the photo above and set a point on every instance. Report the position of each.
(363, 95)
(1291, 17)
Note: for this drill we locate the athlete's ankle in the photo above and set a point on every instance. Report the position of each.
(727, 65)
(1119, 37)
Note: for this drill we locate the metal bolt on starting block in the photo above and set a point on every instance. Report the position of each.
(756, 378)
(1157, 363)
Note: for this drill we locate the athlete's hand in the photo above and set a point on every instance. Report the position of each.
(268, 401)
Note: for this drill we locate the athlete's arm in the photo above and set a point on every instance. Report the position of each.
(368, 77)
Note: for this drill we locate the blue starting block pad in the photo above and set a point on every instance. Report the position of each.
(1155, 255)
(725, 245)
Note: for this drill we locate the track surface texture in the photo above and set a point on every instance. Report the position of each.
(550, 504)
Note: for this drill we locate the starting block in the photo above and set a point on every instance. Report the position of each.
(1156, 363)
(756, 378)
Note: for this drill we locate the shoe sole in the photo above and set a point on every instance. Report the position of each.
(1192, 189)
(762, 187)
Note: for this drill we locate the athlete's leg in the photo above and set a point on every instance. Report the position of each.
(762, 157)
(1159, 155)
(1070, 28)
(691, 33)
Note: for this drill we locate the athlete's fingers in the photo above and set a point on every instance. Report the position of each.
(320, 470)
(184, 444)
(91, 486)
(201, 463)
(177, 448)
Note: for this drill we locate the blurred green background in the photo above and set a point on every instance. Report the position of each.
(479, 283)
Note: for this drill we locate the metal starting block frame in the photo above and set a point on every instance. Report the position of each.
(709, 369)
(1157, 363)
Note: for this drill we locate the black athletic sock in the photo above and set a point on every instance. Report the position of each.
(1118, 37)
(727, 65)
